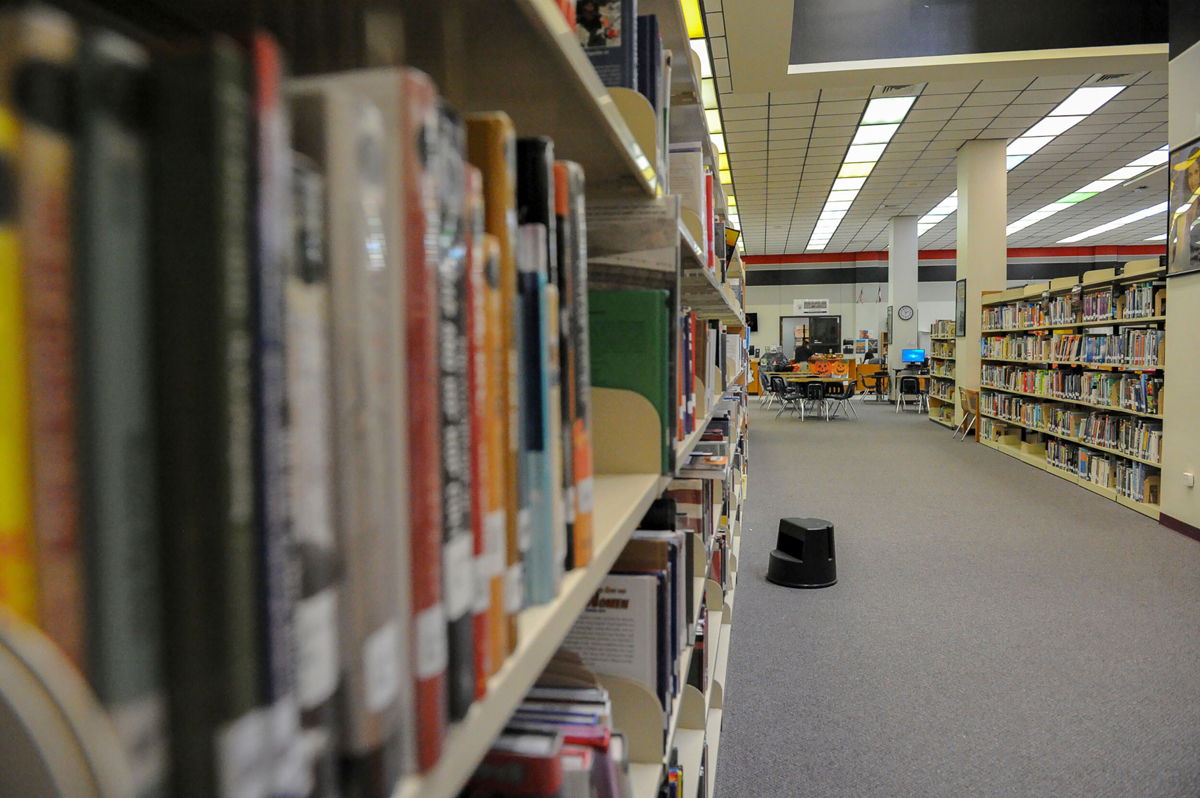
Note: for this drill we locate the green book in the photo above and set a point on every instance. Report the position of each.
(630, 339)
(204, 343)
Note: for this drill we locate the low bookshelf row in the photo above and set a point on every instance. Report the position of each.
(1084, 404)
(350, 387)
(942, 374)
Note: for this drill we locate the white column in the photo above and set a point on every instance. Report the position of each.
(982, 244)
(902, 286)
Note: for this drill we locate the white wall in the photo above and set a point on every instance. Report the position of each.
(1181, 427)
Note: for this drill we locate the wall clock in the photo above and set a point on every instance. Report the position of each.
(905, 313)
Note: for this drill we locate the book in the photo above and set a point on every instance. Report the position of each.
(454, 365)
(567, 247)
(18, 571)
(491, 147)
(486, 493)
(37, 53)
(630, 340)
(120, 525)
(649, 59)
(270, 248)
(526, 764)
(418, 132)
(607, 29)
(203, 331)
(311, 475)
(545, 547)
(341, 122)
(577, 379)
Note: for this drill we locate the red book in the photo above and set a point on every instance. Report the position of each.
(419, 127)
(710, 246)
(526, 764)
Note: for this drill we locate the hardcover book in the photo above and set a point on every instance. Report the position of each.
(607, 29)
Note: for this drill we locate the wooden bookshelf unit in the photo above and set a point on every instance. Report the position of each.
(1072, 379)
(942, 373)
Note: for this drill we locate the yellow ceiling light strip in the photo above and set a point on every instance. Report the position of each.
(693, 19)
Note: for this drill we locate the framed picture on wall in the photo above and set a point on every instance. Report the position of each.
(1183, 239)
(960, 308)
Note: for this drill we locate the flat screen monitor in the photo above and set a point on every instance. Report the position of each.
(912, 355)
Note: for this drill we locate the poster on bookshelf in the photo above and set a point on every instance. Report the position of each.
(1183, 248)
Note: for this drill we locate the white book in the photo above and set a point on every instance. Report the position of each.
(617, 632)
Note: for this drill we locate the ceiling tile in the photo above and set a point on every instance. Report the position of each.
(939, 101)
(827, 106)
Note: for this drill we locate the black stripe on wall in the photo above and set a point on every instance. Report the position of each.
(934, 273)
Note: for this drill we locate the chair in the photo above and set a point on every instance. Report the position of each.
(814, 392)
(910, 385)
(969, 401)
(788, 395)
(843, 398)
(767, 396)
(875, 383)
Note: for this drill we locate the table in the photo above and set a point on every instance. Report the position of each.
(807, 376)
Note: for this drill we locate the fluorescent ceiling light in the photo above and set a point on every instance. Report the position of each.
(875, 134)
(726, 177)
(700, 48)
(880, 121)
(731, 201)
(1087, 192)
(713, 118)
(718, 141)
(708, 92)
(1028, 145)
(1155, 158)
(1013, 161)
(1054, 125)
(863, 153)
(1086, 100)
(887, 110)
(849, 183)
(722, 161)
(856, 169)
(1115, 223)
(1159, 237)
(692, 18)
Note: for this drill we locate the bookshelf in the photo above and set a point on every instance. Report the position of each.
(942, 373)
(551, 89)
(1073, 382)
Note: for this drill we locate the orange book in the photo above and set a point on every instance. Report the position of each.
(18, 572)
(43, 187)
(494, 421)
(492, 148)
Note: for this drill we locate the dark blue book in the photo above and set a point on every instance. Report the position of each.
(649, 59)
(607, 29)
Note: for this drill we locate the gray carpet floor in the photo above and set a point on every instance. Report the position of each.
(995, 630)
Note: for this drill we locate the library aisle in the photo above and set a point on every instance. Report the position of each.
(959, 653)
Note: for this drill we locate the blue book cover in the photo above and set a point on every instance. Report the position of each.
(607, 29)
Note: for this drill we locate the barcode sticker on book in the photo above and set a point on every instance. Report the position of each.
(241, 750)
(587, 495)
(381, 666)
(514, 589)
(141, 728)
(569, 504)
(493, 531)
(317, 647)
(457, 576)
(483, 586)
(432, 655)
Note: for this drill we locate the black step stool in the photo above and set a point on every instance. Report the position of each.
(804, 556)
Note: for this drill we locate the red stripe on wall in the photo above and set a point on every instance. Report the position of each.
(948, 254)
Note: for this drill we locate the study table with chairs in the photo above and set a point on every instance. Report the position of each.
(828, 389)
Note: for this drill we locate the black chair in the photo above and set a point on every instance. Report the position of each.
(910, 385)
(814, 392)
(842, 399)
(788, 395)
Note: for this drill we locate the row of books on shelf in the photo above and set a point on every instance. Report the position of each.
(944, 328)
(1142, 393)
(1129, 479)
(643, 618)
(942, 391)
(1137, 300)
(943, 350)
(943, 371)
(1134, 437)
(1129, 347)
(298, 377)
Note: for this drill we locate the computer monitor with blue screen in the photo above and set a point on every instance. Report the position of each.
(912, 356)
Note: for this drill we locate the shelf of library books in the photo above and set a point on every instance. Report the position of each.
(1057, 330)
(620, 501)
(942, 373)
(703, 290)
(533, 38)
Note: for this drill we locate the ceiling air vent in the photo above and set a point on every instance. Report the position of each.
(1112, 78)
(906, 89)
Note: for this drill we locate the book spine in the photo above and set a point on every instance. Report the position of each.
(38, 54)
(567, 273)
(479, 374)
(492, 148)
(117, 457)
(18, 570)
(496, 521)
(203, 306)
(453, 298)
(428, 655)
(278, 572)
(310, 475)
(581, 389)
(535, 448)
